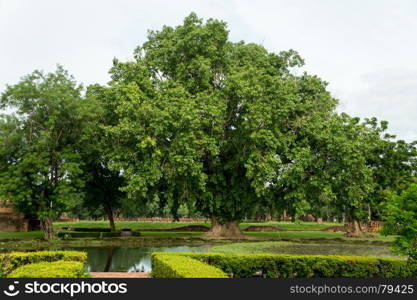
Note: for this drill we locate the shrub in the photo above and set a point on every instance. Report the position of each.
(13, 260)
(57, 269)
(178, 266)
(291, 266)
(401, 220)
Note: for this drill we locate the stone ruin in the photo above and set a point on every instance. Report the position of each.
(12, 221)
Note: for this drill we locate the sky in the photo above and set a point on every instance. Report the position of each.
(365, 50)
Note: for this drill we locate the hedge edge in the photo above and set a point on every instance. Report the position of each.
(166, 265)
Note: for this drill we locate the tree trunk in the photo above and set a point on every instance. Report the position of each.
(46, 227)
(109, 210)
(230, 229)
(356, 230)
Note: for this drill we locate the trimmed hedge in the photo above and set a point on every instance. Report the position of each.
(165, 265)
(292, 266)
(13, 260)
(57, 269)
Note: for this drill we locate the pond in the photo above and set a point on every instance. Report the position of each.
(128, 259)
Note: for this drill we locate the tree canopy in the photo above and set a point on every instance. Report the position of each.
(196, 123)
(39, 164)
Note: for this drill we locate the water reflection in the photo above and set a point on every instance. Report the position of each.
(126, 259)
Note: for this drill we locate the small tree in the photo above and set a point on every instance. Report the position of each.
(401, 220)
(39, 161)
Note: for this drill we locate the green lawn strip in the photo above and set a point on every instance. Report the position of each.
(301, 235)
(127, 224)
(296, 234)
(169, 234)
(250, 248)
(162, 225)
(21, 235)
(313, 248)
(293, 225)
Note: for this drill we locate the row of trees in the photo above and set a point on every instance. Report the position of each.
(226, 129)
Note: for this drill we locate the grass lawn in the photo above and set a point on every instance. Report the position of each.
(279, 247)
(169, 234)
(250, 248)
(294, 225)
(127, 224)
(165, 225)
(296, 234)
(21, 235)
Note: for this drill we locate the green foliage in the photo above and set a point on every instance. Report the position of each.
(11, 261)
(178, 266)
(292, 266)
(39, 161)
(203, 121)
(57, 269)
(393, 164)
(401, 220)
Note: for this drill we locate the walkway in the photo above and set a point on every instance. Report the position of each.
(120, 275)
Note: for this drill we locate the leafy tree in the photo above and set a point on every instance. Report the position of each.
(401, 220)
(393, 164)
(327, 168)
(101, 184)
(203, 120)
(39, 165)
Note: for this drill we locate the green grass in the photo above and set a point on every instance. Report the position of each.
(279, 247)
(169, 234)
(21, 235)
(293, 225)
(296, 234)
(166, 225)
(249, 248)
(301, 235)
(127, 224)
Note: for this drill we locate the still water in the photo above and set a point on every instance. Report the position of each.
(128, 259)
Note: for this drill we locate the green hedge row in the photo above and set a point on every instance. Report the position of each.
(11, 261)
(292, 266)
(57, 269)
(165, 265)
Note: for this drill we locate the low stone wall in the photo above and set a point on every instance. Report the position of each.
(13, 222)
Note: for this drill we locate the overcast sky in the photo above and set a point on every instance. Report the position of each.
(365, 49)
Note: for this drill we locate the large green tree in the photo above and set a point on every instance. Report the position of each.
(39, 162)
(208, 121)
(101, 189)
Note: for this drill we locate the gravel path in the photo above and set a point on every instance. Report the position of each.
(120, 275)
